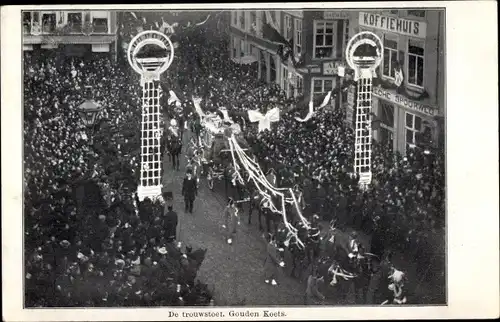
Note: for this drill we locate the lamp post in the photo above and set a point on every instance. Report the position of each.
(89, 111)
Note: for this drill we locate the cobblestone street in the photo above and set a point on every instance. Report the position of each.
(234, 271)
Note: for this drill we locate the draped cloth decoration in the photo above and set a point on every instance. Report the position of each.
(203, 22)
(197, 107)
(173, 98)
(311, 112)
(265, 121)
(242, 161)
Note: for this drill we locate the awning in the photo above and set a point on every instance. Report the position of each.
(69, 39)
(245, 60)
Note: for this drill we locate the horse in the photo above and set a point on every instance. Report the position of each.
(336, 250)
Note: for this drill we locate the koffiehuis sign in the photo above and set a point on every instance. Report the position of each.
(404, 101)
(396, 25)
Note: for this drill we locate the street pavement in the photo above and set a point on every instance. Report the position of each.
(234, 272)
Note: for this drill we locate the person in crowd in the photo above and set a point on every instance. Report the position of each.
(312, 294)
(175, 149)
(171, 222)
(274, 260)
(231, 220)
(407, 195)
(189, 191)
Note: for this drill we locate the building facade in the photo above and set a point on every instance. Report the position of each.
(74, 32)
(409, 110)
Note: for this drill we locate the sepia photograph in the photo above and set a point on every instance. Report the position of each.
(234, 158)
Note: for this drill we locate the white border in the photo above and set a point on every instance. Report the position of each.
(472, 142)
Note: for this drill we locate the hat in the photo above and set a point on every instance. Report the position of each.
(162, 250)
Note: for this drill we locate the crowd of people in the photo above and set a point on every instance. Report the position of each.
(89, 242)
(117, 243)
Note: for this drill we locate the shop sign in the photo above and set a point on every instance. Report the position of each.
(331, 15)
(396, 25)
(331, 68)
(404, 101)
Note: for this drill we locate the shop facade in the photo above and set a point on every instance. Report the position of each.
(75, 33)
(409, 91)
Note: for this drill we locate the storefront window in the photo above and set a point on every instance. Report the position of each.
(242, 48)
(413, 126)
(390, 56)
(263, 66)
(299, 86)
(273, 69)
(26, 22)
(321, 86)
(75, 21)
(235, 47)
(49, 22)
(387, 138)
(323, 39)
(386, 114)
(415, 63)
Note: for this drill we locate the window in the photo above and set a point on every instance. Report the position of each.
(75, 21)
(346, 33)
(321, 86)
(235, 14)
(390, 56)
(415, 63)
(100, 21)
(417, 13)
(49, 22)
(387, 138)
(386, 114)
(27, 22)
(299, 86)
(253, 22)
(284, 80)
(235, 47)
(263, 66)
(273, 68)
(298, 36)
(242, 48)
(323, 39)
(394, 12)
(413, 126)
(242, 19)
(276, 16)
(288, 27)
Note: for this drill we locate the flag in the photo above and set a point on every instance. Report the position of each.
(398, 77)
(269, 32)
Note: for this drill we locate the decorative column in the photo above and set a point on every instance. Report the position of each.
(150, 66)
(364, 53)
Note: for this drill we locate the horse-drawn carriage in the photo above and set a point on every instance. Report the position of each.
(216, 158)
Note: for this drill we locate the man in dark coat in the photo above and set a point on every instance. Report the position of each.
(189, 191)
(175, 148)
(170, 222)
